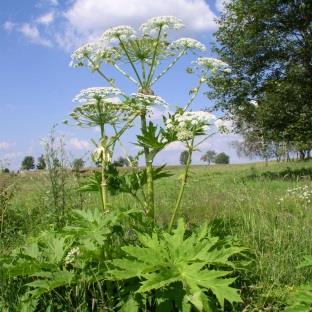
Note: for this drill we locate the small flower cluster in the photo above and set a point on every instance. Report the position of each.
(72, 254)
(213, 64)
(301, 193)
(143, 101)
(89, 95)
(164, 22)
(119, 33)
(187, 43)
(189, 124)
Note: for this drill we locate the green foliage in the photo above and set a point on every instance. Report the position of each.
(300, 299)
(268, 47)
(180, 271)
(41, 163)
(78, 164)
(209, 156)
(222, 158)
(28, 163)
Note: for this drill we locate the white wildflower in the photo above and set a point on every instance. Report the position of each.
(90, 94)
(142, 101)
(164, 22)
(119, 33)
(189, 124)
(213, 64)
(187, 43)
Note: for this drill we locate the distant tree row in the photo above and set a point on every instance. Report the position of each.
(210, 157)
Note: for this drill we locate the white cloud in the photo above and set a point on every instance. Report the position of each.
(78, 144)
(32, 33)
(9, 26)
(85, 20)
(93, 16)
(46, 19)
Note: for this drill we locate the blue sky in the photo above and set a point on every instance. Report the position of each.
(37, 84)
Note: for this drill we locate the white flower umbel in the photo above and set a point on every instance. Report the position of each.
(153, 25)
(187, 125)
(93, 54)
(187, 44)
(213, 64)
(145, 101)
(90, 94)
(98, 106)
(119, 33)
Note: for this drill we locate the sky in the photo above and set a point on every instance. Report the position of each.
(37, 84)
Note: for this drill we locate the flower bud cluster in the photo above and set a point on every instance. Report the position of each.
(223, 126)
(215, 65)
(189, 124)
(72, 254)
(143, 101)
(163, 22)
(119, 33)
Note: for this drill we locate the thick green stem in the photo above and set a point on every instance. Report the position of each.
(149, 175)
(182, 188)
(104, 193)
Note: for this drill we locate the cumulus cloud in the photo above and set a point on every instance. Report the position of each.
(78, 144)
(46, 19)
(84, 20)
(31, 32)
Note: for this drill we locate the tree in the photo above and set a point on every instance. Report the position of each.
(183, 157)
(121, 162)
(28, 163)
(41, 164)
(268, 46)
(222, 158)
(209, 156)
(78, 164)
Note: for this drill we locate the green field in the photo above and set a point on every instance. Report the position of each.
(250, 202)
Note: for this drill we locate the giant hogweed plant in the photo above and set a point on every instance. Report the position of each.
(112, 260)
(150, 55)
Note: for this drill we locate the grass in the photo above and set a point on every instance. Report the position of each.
(240, 200)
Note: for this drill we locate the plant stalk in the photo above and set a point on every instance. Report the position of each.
(183, 183)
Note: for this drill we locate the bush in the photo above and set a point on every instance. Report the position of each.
(222, 158)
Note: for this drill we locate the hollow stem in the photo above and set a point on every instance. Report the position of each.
(183, 183)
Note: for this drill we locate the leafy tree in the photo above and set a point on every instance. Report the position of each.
(6, 170)
(28, 163)
(41, 164)
(222, 158)
(183, 157)
(121, 162)
(268, 45)
(78, 164)
(209, 156)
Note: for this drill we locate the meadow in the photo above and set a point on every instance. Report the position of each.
(266, 207)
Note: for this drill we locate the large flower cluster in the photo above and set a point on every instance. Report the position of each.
(119, 33)
(97, 107)
(187, 43)
(93, 54)
(187, 125)
(213, 64)
(90, 95)
(164, 22)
